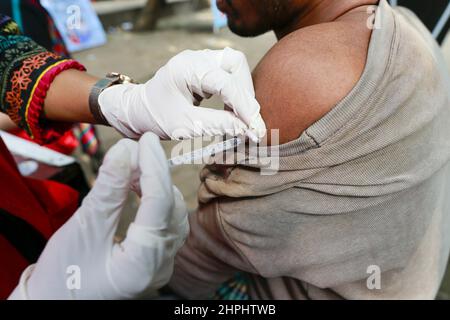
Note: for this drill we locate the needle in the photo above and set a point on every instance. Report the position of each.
(204, 153)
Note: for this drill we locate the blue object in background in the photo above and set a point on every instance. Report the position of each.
(220, 20)
(17, 15)
(77, 22)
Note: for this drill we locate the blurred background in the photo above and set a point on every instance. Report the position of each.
(137, 37)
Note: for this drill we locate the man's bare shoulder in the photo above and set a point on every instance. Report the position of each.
(307, 73)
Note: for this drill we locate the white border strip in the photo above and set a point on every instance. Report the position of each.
(442, 22)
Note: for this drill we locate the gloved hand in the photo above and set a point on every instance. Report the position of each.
(85, 244)
(165, 105)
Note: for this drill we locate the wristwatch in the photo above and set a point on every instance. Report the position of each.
(110, 79)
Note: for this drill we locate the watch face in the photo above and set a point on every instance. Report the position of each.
(114, 77)
(118, 78)
(112, 74)
(126, 79)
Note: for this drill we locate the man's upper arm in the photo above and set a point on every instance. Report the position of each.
(304, 76)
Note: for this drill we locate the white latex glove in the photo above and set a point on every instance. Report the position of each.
(166, 104)
(110, 270)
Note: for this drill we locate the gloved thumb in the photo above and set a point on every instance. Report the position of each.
(238, 96)
(157, 198)
(112, 185)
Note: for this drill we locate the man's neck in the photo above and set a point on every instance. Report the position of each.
(321, 11)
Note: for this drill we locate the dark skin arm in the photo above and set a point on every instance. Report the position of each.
(309, 71)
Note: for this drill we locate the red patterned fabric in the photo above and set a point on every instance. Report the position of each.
(45, 205)
(66, 144)
(26, 71)
(39, 132)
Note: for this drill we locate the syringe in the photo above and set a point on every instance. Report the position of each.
(204, 153)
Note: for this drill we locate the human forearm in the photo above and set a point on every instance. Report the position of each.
(27, 71)
(67, 99)
(6, 123)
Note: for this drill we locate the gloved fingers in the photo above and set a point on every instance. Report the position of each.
(145, 258)
(156, 186)
(235, 63)
(177, 231)
(146, 255)
(179, 226)
(180, 209)
(238, 97)
(112, 185)
(199, 121)
(142, 261)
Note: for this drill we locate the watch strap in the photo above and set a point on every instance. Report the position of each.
(111, 79)
(94, 106)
